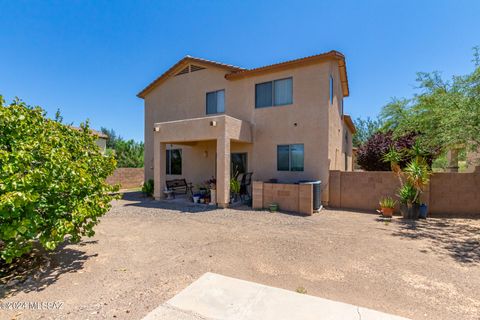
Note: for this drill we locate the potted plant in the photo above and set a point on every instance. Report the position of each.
(413, 179)
(196, 197)
(234, 189)
(387, 204)
(406, 194)
(273, 207)
(417, 173)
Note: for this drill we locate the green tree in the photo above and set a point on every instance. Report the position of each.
(365, 129)
(52, 181)
(394, 113)
(129, 153)
(446, 113)
(113, 138)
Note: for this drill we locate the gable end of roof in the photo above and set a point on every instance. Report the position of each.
(185, 61)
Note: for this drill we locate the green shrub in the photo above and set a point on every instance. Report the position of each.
(147, 188)
(52, 181)
(234, 186)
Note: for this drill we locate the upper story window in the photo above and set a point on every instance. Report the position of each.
(216, 102)
(331, 89)
(290, 157)
(274, 93)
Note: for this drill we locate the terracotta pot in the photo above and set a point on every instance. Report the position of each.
(387, 212)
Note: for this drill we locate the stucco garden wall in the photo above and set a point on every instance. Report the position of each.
(448, 194)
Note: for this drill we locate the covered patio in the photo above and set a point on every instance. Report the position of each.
(224, 131)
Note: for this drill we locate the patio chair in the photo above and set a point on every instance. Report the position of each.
(244, 184)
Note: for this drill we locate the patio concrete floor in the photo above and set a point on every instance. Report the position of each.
(145, 252)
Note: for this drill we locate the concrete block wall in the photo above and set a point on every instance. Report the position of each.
(289, 197)
(127, 177)
(448, 194)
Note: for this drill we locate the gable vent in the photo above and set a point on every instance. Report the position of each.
(194, 68)
(185, 70)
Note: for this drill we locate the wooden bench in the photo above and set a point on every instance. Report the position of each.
(179, 185)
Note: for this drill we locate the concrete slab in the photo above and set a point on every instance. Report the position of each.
(214, 296)
(167, 312)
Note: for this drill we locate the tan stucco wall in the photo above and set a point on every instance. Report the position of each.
(180, 97)
(335, 124)
(310, 120)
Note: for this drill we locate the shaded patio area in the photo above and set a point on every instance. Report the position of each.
(223, 131)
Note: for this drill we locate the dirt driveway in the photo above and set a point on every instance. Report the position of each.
(144, 253)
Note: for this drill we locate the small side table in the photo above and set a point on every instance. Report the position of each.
(169, 195)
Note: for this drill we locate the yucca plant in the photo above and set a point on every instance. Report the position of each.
(407, 193)
(387, 202)
(418, 175)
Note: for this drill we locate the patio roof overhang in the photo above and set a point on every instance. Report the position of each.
(190, 131)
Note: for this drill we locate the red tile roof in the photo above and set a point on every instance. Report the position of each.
(239, 73)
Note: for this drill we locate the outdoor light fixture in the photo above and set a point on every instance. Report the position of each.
(213, 123)
(156, 129)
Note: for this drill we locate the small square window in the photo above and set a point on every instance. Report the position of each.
(216, 102)
(290, 157)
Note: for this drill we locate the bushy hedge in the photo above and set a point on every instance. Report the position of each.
(370, 154)
(52, 181)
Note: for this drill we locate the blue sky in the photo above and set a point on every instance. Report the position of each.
(91, 58)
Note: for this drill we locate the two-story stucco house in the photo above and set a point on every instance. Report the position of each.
(283, 121)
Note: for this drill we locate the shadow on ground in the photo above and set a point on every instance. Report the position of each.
(41, 269)
(458, 238)
(180, 204)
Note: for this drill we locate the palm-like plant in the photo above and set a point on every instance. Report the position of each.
(418, 153)
(418, 175)
(407, 193)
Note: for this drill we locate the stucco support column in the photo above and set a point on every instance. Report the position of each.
(159, 166)
(452, 159)
(223, 172)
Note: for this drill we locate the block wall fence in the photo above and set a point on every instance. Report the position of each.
(448, 194)
(127, 177)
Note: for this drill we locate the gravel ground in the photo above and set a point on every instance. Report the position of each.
(144, 252)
